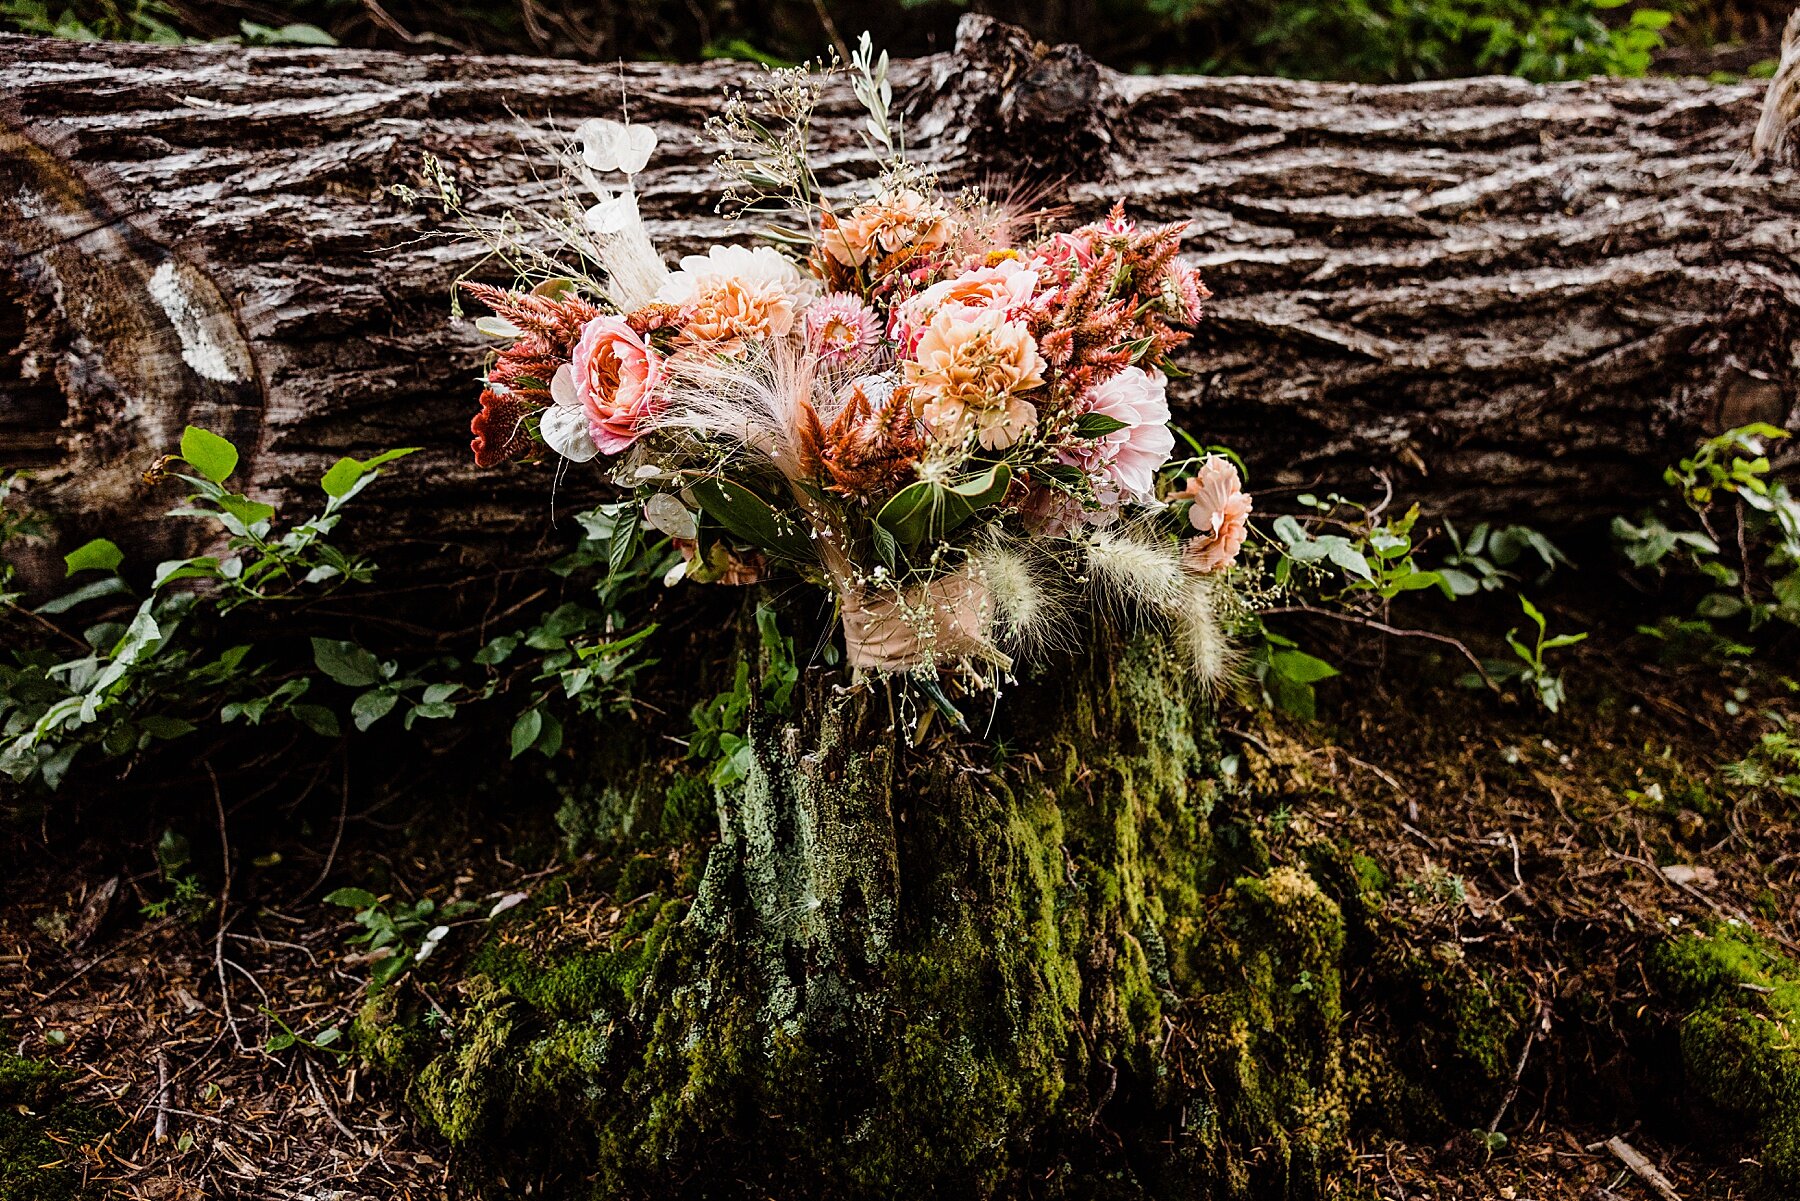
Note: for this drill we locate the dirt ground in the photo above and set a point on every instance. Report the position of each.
(1559, 847)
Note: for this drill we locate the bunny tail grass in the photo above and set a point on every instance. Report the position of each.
(1031, 612)
(1201, 628)
(1129, 573)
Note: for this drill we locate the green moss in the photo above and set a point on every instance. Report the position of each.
(41, 1132)
(892, 977)
(1739, 1040)
(1437, 1036)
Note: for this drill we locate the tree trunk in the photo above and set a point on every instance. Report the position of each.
(1067, 970)
(1510, 298)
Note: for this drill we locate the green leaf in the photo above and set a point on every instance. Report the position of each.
(624, 540)
(172, 852)
(1097, 425)
(1346, 556)
(98, 555)
(158, 726)
(525, 731)
(299, 33)
(109, 586)
(317, 718)
(497, 650)
(388, 970)
(747, 516)
(1290, 531)
(371, 707)
(209, 454)
(346, 662)
(551, 740)
(1457, 583)
(927, 511)
(246, 510)
(353, 898)
(1300, 667)
(344, 474)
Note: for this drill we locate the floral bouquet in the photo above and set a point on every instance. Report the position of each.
(941, 408)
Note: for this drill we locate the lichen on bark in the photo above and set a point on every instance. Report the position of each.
(1055, 956)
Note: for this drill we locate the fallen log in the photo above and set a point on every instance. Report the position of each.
(1511, 298)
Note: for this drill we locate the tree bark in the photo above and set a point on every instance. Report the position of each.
(1510, 298)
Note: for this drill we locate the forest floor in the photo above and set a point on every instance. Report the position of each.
(1559, 847)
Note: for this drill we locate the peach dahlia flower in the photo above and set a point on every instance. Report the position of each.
(880, 228)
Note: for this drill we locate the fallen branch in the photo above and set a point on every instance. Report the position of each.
(1634, 1159)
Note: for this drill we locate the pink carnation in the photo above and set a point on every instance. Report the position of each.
(1221, 511)
(1123, 464)
(616, 375)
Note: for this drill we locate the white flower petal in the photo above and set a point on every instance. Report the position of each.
(667, 514)
(614, 146)
(640, 141)
(565, 431)
(497, 327)
(614, 215)
(562, 386)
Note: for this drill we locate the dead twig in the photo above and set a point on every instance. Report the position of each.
(161, 1132)
(1512, 1093)
(1646, 1171)
(224, 915)
(1396, 631)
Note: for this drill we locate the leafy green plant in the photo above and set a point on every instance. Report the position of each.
(1529, 665)
(1287, 675)
(1352, 562)
(186, 895)
(1773, 763)
(397, 935)
(720, 723)
(1495, 559)
(143, 675)
(94, 20)
(1746, 549)
(286, 1038)
(1399, 40)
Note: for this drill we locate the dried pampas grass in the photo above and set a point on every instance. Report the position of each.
(768, 402)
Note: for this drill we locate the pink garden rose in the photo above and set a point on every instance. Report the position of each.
(616, 374)
(1007, 287)
(1124, 463)
(1221, 511)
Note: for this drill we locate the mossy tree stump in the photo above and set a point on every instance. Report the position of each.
(1057, 969)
